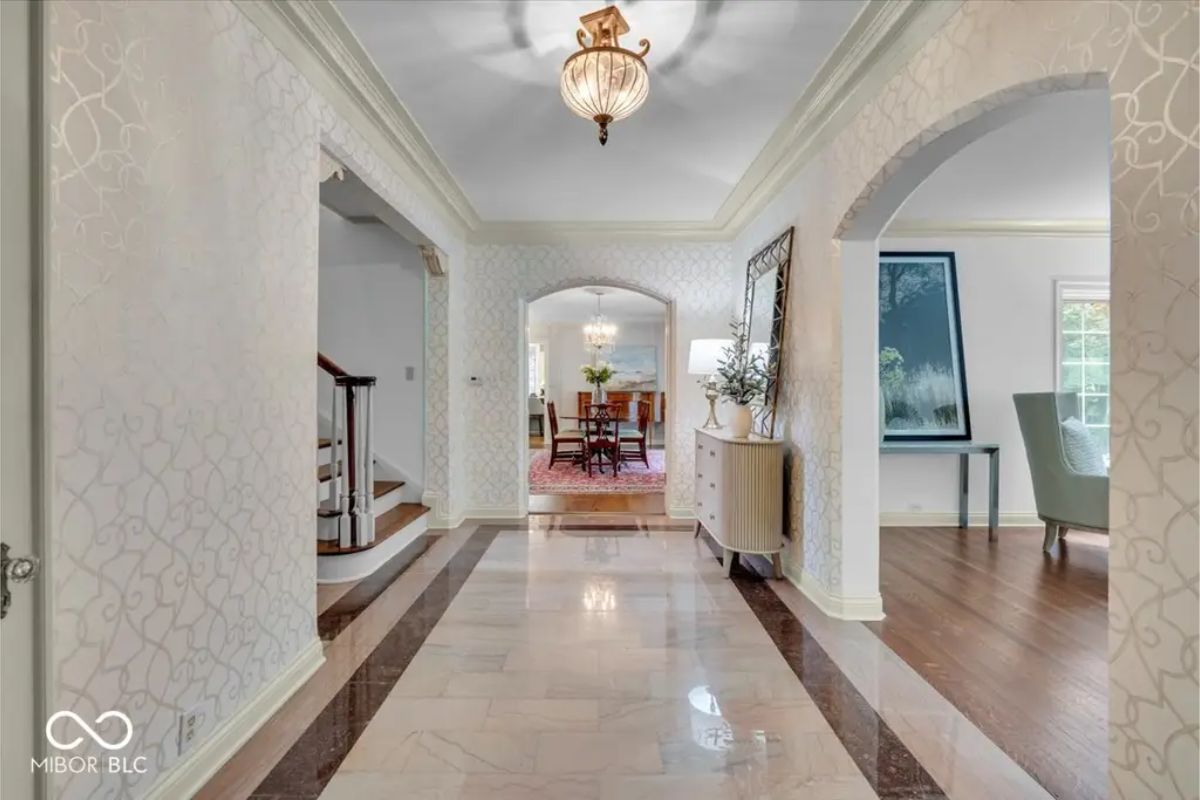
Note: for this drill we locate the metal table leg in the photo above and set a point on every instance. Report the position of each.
(993, 494)
(964, 483)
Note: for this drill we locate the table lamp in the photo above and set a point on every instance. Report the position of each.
(704, 357)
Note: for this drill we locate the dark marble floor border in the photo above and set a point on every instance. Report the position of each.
(346, 608)
(890, 767)
(311, 762)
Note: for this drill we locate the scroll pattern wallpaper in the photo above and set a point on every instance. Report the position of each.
(182, 364)
(183, 457)
(990, 53)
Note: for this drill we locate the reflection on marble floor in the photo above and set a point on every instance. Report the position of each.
(603, 664)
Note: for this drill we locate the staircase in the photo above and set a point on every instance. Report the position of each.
(358, 528)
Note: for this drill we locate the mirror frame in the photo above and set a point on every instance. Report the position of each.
(777, 255)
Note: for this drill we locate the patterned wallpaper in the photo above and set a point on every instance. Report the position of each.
(696, 277)
(988, 54)
(183, 159)
(184, 459)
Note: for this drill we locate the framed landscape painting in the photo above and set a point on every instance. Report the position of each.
(922, 376)
(636, 368)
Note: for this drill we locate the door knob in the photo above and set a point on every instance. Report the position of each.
(21, 569)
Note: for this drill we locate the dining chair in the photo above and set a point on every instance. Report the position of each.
(603, 438)
(573, 438)
(638, 439)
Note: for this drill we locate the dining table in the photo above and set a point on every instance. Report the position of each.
(585, 421)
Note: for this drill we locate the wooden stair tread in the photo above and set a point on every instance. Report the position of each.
(386, 524)
(381, 488)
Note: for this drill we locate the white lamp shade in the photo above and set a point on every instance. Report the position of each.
(704, 356)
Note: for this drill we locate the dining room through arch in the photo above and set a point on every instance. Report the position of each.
(598, 401)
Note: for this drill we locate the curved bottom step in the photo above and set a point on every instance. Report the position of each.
(395, 530)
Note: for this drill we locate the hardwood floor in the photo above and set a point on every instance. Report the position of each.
(597, 503)
(1014, 638)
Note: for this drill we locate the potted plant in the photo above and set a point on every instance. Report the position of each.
(741, 377)
(597, 375)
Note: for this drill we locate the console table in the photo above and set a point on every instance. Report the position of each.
(964, 451)
(739, 494)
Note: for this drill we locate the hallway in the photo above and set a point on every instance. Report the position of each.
(606, 657)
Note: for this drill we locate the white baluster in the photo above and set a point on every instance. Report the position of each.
(368, 521)
(339, 496)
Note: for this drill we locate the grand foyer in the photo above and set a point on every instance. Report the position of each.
(166, 166)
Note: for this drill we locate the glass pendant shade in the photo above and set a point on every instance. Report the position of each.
(604, 82)
(599, 335)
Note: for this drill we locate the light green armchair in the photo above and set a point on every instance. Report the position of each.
(1065, 498)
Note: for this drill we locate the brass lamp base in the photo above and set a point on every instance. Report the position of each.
(710, 391)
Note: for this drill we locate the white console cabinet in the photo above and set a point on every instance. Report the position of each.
(739, 494)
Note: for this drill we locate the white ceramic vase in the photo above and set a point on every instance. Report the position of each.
(740, 424)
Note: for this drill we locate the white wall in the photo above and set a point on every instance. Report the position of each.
(371, 321)
(565, 353)
(1006, 297)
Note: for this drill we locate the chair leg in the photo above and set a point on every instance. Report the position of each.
(553, 451)
(777, 566)
(642, 447)
(730, 557)
(697, 535)
(1050, 538)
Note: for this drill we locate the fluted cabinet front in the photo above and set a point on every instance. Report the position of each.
(739, 491)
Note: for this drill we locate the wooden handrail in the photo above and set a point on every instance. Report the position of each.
(329, 365)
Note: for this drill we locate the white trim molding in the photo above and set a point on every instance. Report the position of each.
(857, 609)
(681, 512)
(315, 37)
(1067, 228)
(949, 519)
(484, 513)
(441, 515)
(188, 777)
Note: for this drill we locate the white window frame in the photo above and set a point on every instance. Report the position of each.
(1070, 290)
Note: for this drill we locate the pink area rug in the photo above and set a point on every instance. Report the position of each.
(568, 478)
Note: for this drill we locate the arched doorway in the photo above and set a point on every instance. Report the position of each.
(921, 610)
(551, 321)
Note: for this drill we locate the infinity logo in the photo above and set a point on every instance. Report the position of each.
(97, 738)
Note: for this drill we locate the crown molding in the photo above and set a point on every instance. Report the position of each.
(923, 228)
(315, 37)
(883, 37)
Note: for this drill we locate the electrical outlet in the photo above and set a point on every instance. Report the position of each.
(189, 729)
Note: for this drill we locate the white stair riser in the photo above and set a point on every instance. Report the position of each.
(355, 566)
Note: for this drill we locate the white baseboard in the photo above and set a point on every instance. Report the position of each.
(860, 609)
(494, 512)
(188, 777)
(949, 519)
(681, 512)
(441, 515)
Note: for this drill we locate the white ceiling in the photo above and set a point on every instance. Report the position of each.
(578, 305)
(481, 80)
(1050, 165)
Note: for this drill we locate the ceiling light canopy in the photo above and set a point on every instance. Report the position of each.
(605, 82)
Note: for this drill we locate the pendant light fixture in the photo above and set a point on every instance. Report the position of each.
(604, 82)
(599, 335)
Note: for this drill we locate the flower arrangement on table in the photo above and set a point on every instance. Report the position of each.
(598, 374)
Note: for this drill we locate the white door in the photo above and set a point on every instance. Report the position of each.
(20, 630)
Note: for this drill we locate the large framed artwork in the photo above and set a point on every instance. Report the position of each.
(922, 374)
(635, 367)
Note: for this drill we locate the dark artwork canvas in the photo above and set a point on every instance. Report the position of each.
(922, 379)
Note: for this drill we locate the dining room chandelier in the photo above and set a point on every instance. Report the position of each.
(604, 82)
(599, 335)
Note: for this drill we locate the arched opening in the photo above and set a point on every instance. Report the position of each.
(569, 461)
(944, 488)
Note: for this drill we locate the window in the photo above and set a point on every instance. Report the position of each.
(537, 368)
(1083, 348)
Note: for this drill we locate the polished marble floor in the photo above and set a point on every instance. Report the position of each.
(607, 658)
